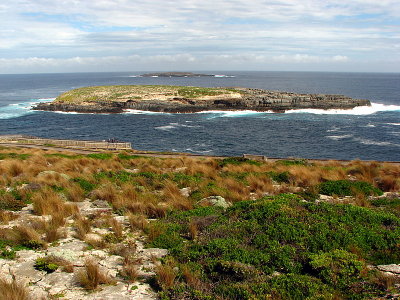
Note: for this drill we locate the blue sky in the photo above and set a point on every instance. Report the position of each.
(127, 35)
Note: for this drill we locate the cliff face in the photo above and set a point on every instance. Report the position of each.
(250, 99)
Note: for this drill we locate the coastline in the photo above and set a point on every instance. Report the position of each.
(178, 99)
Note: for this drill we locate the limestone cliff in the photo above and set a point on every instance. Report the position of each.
(116, 99)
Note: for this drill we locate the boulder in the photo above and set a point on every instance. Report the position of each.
(215, 201)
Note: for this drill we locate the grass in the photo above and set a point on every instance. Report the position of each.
(90, 277)
(13, 290)
(139, 92)
(277, 240)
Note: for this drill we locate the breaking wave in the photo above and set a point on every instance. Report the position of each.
(359, 110)
(14, 110)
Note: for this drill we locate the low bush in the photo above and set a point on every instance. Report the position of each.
(237, 161)
(307, 243)
(338, 267)
(280, 177)
(101, 156)
(41, 264)
(347, 188)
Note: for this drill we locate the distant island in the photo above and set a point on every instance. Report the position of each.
(176, 74)
(189, 99)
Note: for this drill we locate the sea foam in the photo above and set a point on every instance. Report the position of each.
(14, 110)
(359, 110)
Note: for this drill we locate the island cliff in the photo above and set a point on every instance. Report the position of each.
(179, 99)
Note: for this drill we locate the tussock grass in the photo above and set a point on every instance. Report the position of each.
(165, 276)
(6, 216)
(137, 221)
(23, 235)
(90, 277)
(82, 227)
(48, 202)
(13, 290)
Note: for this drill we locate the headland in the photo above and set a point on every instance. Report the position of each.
(189, 99)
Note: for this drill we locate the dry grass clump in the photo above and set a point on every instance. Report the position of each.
(82, 227)
(91, 276)
(137, 221)
(173, 196)
(75, 193)
(6, 216)
(107, 192)
(13, 290)
(23, 235)
(165, 276)
(14, 168)
(52, 229)
(48, 202)
(117, 228)
(191, 278)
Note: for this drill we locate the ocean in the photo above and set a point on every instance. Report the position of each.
(367, 133)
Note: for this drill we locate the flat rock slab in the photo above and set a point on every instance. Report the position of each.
(393, 268)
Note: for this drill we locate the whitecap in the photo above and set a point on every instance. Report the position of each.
(359, 110)
(175, 125)
(231, 113)
(333, 129)
(168, 127)
(14, 110)
(339, 137)
(394, 124)
(372, 142)
(142, 112)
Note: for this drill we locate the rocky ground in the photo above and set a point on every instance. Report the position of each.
(61, 284)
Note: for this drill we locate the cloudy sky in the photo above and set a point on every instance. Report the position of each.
(139, 35)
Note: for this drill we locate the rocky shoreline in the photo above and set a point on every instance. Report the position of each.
(248, 99)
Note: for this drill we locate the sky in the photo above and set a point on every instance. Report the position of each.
(43, 36)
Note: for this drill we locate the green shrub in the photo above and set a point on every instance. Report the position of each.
(294, 162)
(237, 161)
(386, 202)
(14, 155)
(338, 267)
(102, 156)
(128, 156)
(282, 177)
(84, 184)
(347, 188)
(296, 286)
(7, 253)
(41, 264)
(63, 155)
(239, 248)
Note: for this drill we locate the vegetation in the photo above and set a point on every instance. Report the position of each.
(237, 250)
(139, 92)
(272, 237)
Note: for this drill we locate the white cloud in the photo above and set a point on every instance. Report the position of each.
(304, 32)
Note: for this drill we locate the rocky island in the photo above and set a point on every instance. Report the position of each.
(175, 74)
(187, 99)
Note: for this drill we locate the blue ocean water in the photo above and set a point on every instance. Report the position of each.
(371, 133)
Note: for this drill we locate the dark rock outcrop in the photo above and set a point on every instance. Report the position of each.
(175, 74)
(251, 99)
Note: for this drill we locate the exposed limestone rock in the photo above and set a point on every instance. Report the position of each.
(53, 173)
(42, 285)
(215, 201)
(239, 99)
(393, 268)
